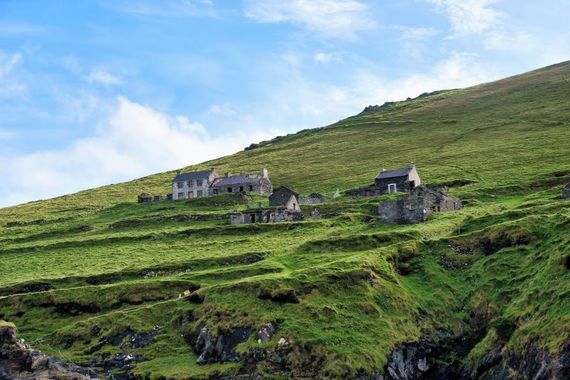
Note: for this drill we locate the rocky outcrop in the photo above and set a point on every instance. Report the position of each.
(217, 348)
(532, 363)
(19, 361)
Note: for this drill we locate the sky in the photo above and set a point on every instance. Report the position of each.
(102, 91)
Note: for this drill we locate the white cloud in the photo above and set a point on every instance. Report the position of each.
(103, 77)
(333, 18)
(10, 85)
(8, 62)
(469, 16)
(130, 141)
(326, 58)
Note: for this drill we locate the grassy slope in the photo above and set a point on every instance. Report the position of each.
(364, 287)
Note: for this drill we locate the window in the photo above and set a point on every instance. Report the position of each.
(392, 188)
(199, 182)
(215, 191)
(180, 185)
(190, 194)
(250, 187)
(230, 189)
(241, 189)
(180, 196)
(200, 193)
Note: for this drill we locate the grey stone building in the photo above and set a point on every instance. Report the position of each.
(285, 197)
(566, 191)
(243, 183)
(416, 207)
(390, 181)
(193, 184)
(207, 182)
(399, 180)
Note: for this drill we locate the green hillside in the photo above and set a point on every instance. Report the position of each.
(82, 273)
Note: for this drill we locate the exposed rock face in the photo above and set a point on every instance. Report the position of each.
(423, 360)
(533, 363)
(220, 348)
(19, 361)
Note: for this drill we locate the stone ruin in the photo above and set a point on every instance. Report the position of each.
(266, 215)
(566, 191)
(145, 198)
(418, 205)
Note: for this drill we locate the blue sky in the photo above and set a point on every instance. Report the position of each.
(97, 92)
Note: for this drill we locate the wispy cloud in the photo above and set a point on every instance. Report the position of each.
(16, 28)
(10, 84)
(327, 57)
(103, 77)
(332, 18)
(166, 8)
(469, 16)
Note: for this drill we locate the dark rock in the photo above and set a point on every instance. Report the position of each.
(19, 361)
(196, 297)
(126, 339)
(220, 348)
(566, 192)
(279, 295)
(265, 333)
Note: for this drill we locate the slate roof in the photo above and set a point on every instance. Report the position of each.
(403, 172)
(235, 180)
(203, 174)
(281, 196)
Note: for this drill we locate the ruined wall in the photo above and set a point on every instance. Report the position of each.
(417, 206)
(403, 185)
(265, 216)
(566, 192)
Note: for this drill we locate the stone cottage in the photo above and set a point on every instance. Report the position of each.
(207, 182)
(285, 197)
(390, 181)
(399, 180)
(243, 183)
(193, 184)
(416, 207)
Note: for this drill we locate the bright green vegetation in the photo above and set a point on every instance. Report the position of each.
(106, 264)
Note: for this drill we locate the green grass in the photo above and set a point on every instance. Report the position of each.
(95, 263)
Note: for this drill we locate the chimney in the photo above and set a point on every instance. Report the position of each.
(383, 169)
(263, 173)
(226, 175)
(178, 172)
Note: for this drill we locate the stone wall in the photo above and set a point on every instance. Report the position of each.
(265, 216)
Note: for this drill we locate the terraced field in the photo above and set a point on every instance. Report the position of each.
(92, 276)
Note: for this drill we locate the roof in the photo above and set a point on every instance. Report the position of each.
(285, 190)
(236, 180)
(281, 196)
(203, 174)
(403, 172)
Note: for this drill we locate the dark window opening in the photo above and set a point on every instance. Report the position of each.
(230, 189)
(250, 188)
(241, 189)
(252, 216)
